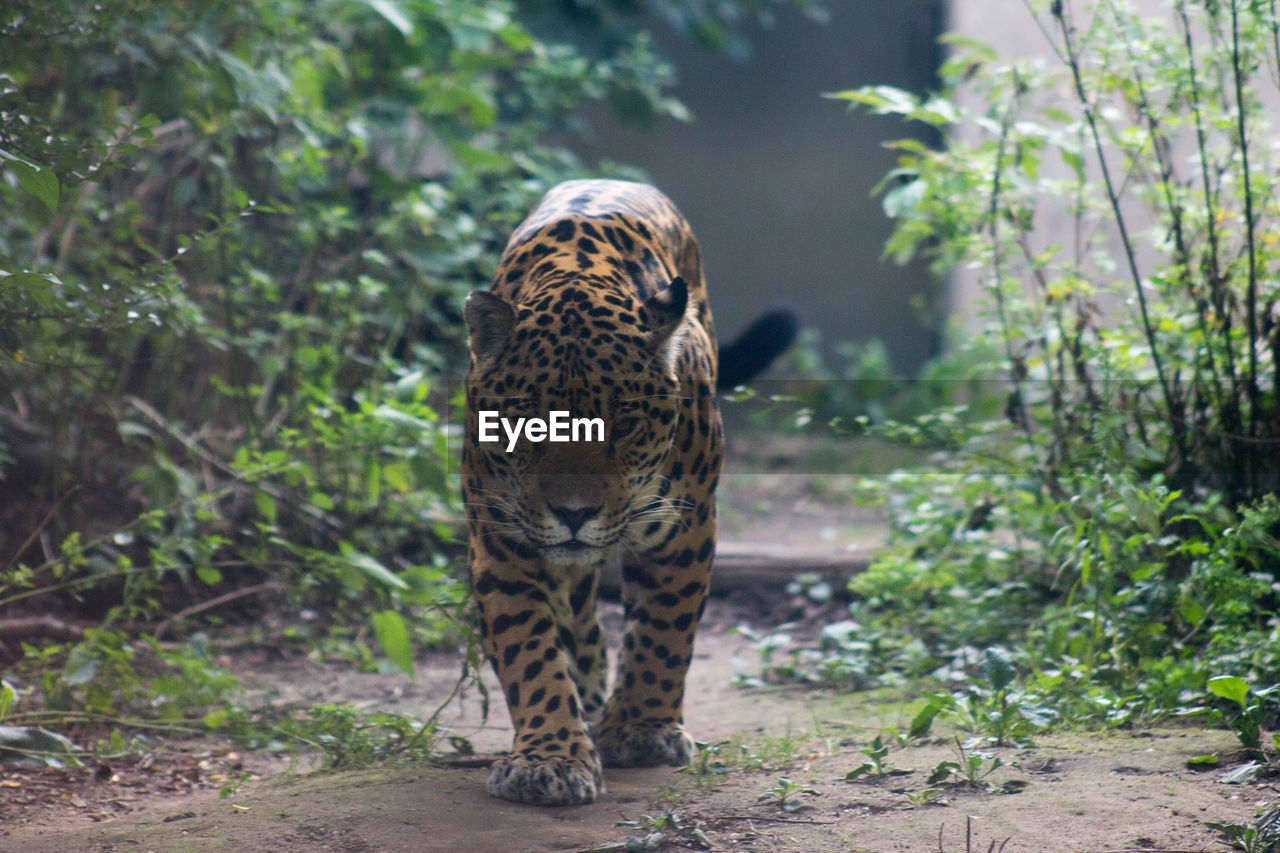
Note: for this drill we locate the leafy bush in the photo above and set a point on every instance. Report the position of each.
(1120, 527)
(231, 274)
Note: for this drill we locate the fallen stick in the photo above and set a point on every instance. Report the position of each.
(29, 627)
(217, 601)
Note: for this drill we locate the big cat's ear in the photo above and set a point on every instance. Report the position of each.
(489, 320)
(666, 311)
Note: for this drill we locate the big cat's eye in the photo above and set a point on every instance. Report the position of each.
(518, 405)
(625, 426)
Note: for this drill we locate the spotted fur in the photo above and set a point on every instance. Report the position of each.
(598, 308)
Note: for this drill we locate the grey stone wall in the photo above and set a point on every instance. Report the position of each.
(776, 179)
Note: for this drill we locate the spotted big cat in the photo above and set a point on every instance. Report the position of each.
(598, 311)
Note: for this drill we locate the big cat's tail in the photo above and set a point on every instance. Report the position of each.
(763, 341)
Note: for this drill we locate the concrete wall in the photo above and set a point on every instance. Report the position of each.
(776, 179)
(1008, 26)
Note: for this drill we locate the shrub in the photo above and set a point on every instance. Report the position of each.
(1120, 525)
(231, 272)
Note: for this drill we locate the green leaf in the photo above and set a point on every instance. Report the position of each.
(216, 719)
(1208, 760)
(392, 415)
(34, 746)
(8, 696)
(115, 744)
(1246, 774)
(393, 14)
(1041, 716)
(1248, 730)
(943, 771)
(479, 158)
(397, 476)
(209, 575)
(371, 567)
(393, 636)
(1231, 688)
(38, 180)
(882, 100)
(1192, 611)
(373, 481)
(938, 112)
(1075, 160)
(903, 199)
(516, 38)
(266, 506)
(38, 287)
(81, 666)
(997, 668)
(924, 720)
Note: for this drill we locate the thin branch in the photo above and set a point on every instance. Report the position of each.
(1126, 242)
(205, 456)
(39, 626)
(55, 717)
(1275, 40)
(1212, 266)
(1161, 146)
(993, 213)
(39, 528)
(217, 601)
(1251, 224)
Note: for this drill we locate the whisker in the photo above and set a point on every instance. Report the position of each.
(652, 396)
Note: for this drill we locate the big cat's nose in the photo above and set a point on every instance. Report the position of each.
(574, 518)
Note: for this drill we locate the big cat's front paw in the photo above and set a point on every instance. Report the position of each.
(546, 781)
(644, 743)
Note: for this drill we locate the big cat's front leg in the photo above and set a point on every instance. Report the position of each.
(552, 760)
(643, 725)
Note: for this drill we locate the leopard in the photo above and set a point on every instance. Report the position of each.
(597, 308)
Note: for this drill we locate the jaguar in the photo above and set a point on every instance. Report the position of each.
(598, 308)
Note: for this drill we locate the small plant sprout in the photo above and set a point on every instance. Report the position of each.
(876, 766)
(927, 797)
(1262, 835)
(1253, 708)
(710, 764)
(656, 833)
(972, 771)
(786, 795)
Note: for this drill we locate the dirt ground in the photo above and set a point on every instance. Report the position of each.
(1088, 792)
(1113, 792)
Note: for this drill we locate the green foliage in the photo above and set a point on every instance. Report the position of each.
(349, 739)
(1117, 530)
(861, 391)
(1250, 713)
(270, 212)
(846, 656)
(231, 274)
(876, 766)
(710, 764)
(1117, 318)
(987, 705)
(657, 833)
(971, 770)
(1260, 835)
(788, 795)
(393, 636)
